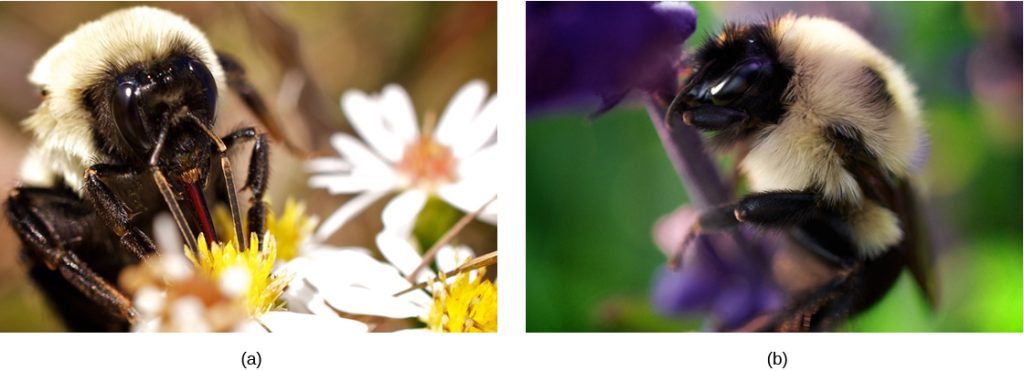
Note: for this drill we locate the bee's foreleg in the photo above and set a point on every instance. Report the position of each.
(113, 211)
(768, 209)
(256, 180)
(239, 83)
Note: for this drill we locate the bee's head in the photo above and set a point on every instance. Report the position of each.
(736, 85)
(157, 111)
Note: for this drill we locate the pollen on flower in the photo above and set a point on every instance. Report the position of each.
(466, 305)
(427, 164)
(290, 230)
(225, 263)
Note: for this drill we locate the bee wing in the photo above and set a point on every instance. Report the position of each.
(895, 194)
(916, 244)
(898, 195)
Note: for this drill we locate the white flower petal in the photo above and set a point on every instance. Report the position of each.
(166, 234)
(418, 298)
(345, 213)
(350, 267)
(400, 253)
(328, 165)
(358, 300)
(477, 184)
(449, 257)
(460, 112)
(286, 322)
(481, 166)
(421, 330)
(352, 281)
(399, 113)
(147, 325)
(479, 132)
(340, 183)
(469, 197)
(356, 153)
(366, 117)
(302, 297)
(490, 214)
(149, 301)
(187, 314)
(399, 216)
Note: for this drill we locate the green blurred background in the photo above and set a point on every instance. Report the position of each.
(595, 188)
(301, 57)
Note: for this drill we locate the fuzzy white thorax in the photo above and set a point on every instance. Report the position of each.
(63, 144)
(829, 86)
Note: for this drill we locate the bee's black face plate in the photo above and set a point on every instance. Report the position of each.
(132, 106)
(737, 84)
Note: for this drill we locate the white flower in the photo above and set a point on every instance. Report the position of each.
(329, 280)
(396, 243)
(170, 295)
(456, 162)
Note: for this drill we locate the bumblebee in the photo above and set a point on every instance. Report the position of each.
(125, 131)
(830, 130)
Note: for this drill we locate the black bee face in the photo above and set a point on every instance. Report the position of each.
(146, 99)
(172, 99)
(737, 84)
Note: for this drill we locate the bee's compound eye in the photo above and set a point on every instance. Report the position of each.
(188, 66)
(737, 82)
(128, 115)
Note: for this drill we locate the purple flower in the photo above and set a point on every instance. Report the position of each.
(591, 55)
(727, 275)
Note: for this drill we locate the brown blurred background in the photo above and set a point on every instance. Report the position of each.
(301, 56)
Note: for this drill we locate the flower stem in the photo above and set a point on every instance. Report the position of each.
(685, 149)
(428, 256)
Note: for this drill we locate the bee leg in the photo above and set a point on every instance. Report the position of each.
(237, 80)
(819, 229)
(113, 211)
(256, 181)
(768, 209)
(43, 219)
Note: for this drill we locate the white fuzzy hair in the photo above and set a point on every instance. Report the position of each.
(63, 144)
(830, 86)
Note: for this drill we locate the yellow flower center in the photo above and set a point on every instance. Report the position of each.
(263, 288)
(427, 164)
(465, 305)
(290, 229)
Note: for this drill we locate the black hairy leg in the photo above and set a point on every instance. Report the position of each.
(858, 283)
(70, 259)
(256, 180)
(819, 229)
(768, 209)
(113, 211)
(853, 290)
(239, 83)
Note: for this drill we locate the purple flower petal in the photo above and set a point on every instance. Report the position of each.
(590, 55)
(728, 275)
